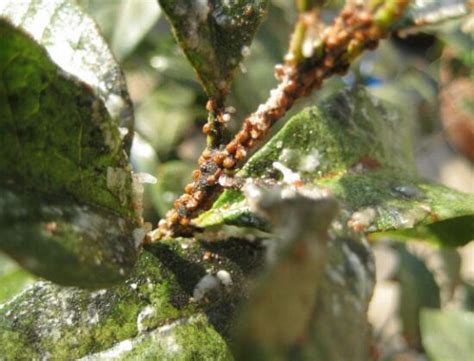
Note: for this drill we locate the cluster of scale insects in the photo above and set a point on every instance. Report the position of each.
(354, 30)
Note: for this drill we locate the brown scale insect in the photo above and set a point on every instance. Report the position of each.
(241, 153)
(207, 129)
(232, 146)
(196, 174)
(198, 196)
(189, 189)
(218, 158)
(229, 163)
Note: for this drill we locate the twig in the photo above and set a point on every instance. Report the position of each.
(216, 123)
(357, 28)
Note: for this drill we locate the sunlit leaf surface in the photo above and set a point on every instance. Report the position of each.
(67, 206)
(360, 151)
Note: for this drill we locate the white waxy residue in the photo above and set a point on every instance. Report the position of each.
(205, 284)
(289, 176)
(308, 48)
(230, 110)
(313, 192)
(147, 313)
(362, 219)
(145, 178)
(202, 9)
(289, 156)
(138, 236)
(115, 105)
(159, 62)
(226, 181)
(310, 162)
(245, 51)
(225, 278)
(251, 190)
(123, 132)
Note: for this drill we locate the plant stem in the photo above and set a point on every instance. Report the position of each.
(214, 128)
(306, 5)
(354, 30)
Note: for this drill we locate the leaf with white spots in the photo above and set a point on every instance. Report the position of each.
(68, 205)
(359, 150)
(149, 315)
(73, 42)
(215, 36)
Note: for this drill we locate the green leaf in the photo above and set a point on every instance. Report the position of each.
(67, 204)
(12, 279)
(66, 241)
(75, 45)
(360, 151)
(151, 315)
(215, 36)
(440, 233)
(418, 290)
(447, 334)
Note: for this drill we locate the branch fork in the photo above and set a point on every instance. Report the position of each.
(330, 52)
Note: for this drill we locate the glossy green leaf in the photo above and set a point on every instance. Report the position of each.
(75, 45)
(360, 151)
(62, 156)
(447, 335)
(215, 36)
